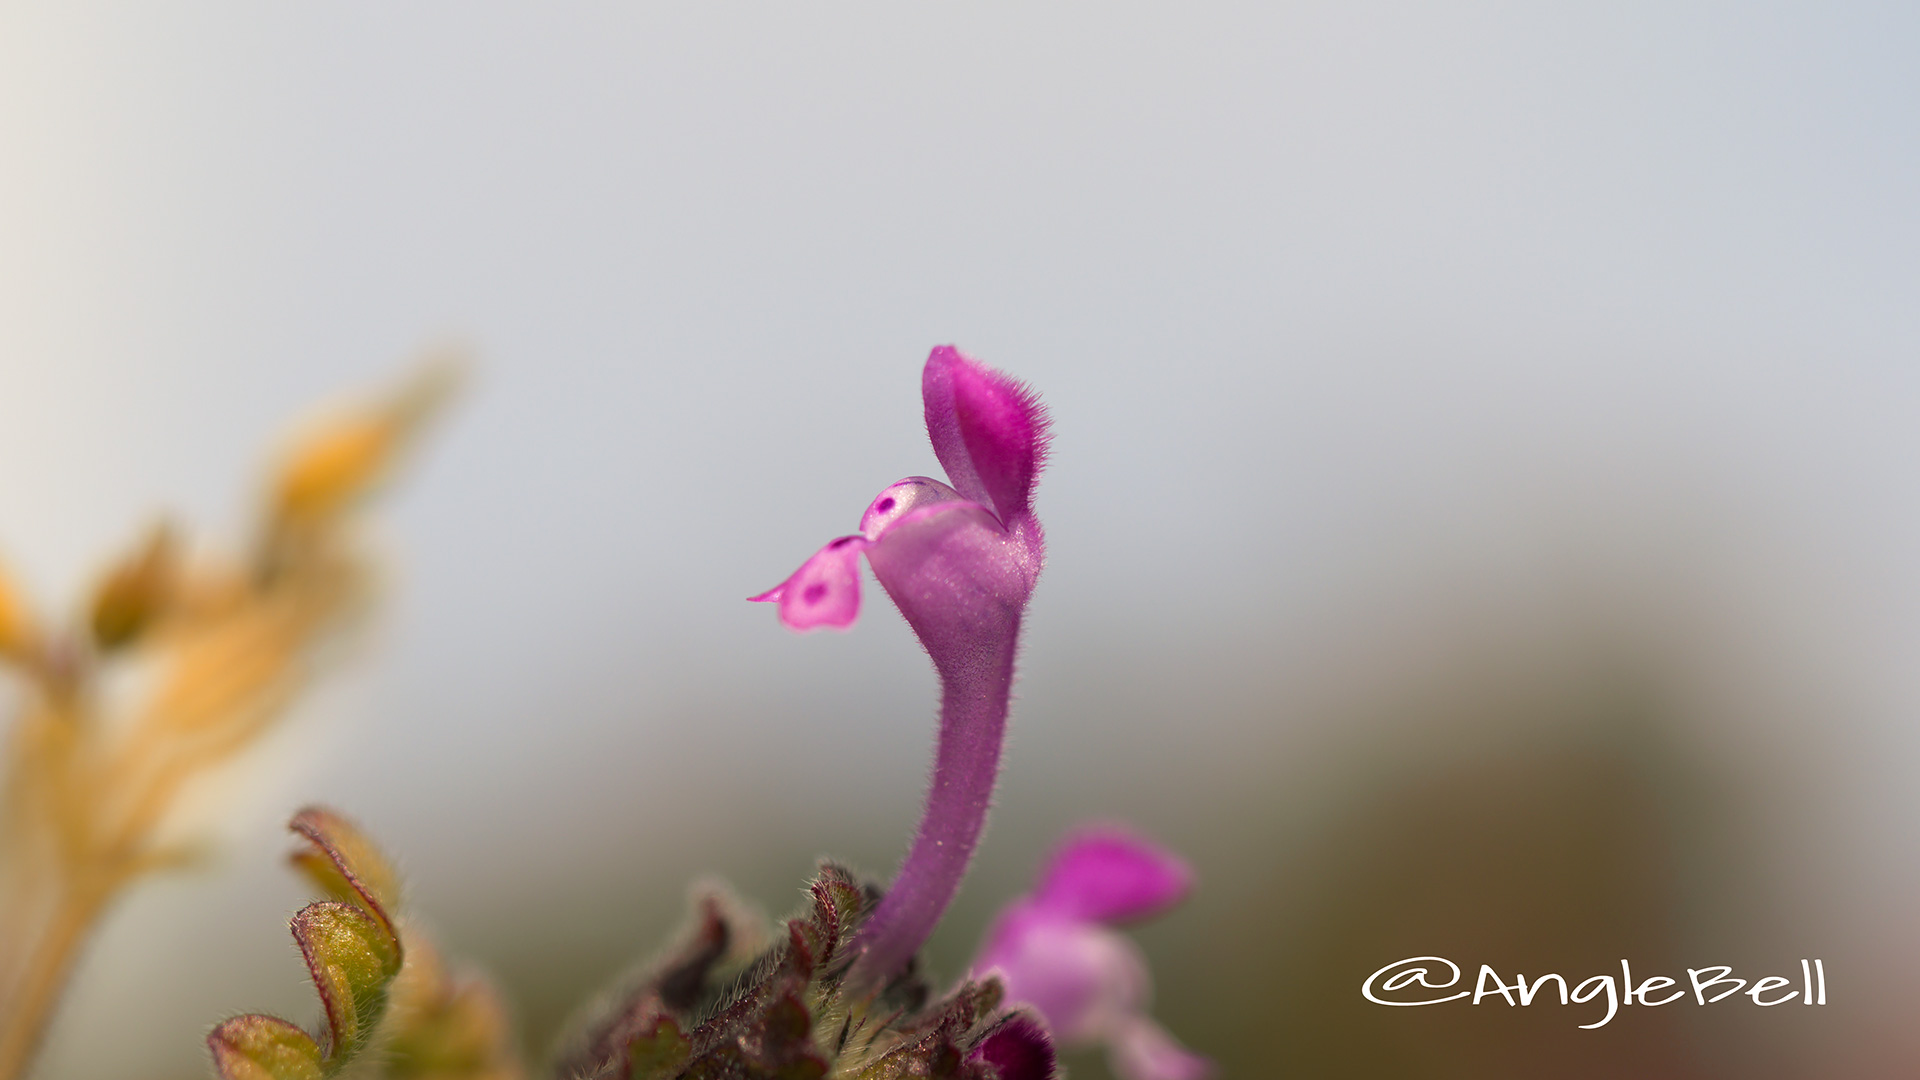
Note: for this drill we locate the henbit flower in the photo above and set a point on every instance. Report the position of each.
(960, 562)
(1055, 950)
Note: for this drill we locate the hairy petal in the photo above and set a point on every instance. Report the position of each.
(825, 591)
(988, 430)
(1019, 1049)
(1108, 874)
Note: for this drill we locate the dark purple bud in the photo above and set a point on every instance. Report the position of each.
(1019, 1049)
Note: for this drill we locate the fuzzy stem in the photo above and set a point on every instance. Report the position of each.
(974, 693)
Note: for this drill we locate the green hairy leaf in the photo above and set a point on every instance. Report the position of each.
(352, 958)
(393, 1011)
(264, 1048)
(353, 954)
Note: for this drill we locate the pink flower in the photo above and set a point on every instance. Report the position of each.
(960, 560)
(1056, 950)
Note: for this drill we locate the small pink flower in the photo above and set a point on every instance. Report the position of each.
(1056, 950)
(960, 560)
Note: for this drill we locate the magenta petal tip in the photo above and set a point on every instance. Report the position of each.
(1109, 874)
(989, 431)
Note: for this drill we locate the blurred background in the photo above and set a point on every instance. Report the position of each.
(1482, 520)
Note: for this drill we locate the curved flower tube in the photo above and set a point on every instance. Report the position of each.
(960, 560)
(1055, 950)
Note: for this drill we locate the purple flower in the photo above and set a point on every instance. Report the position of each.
(1056, 950)
(960, 561)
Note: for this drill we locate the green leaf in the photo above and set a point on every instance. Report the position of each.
(353, 958)
(660, 1053)
(419, 1022)
(264, 1048)
(345, 864)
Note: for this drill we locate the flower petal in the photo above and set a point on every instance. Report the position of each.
(1007, 936)
(1088, 981)
(957, 576)
(1108, 874)
(1144, 1051)
(1019, 1049)
(989, 432)
(1055, 953)
(825, 591)
(900, 499)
